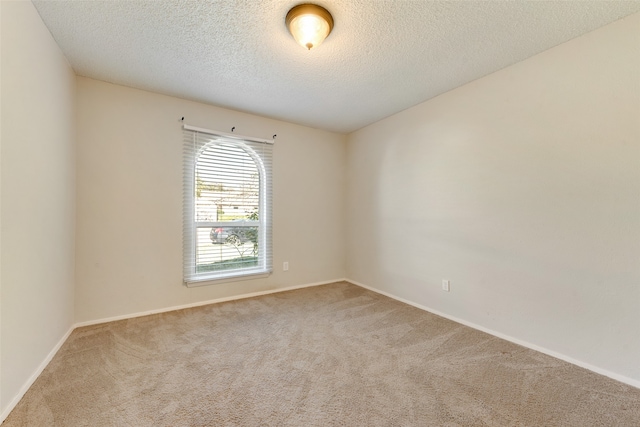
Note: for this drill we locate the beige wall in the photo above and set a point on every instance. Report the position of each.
(129, 201)
(523, 189)
(38, 197)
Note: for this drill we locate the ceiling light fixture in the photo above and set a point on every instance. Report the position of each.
(309, 24)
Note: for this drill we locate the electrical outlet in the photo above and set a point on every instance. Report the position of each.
(445, 285)
(285, 266)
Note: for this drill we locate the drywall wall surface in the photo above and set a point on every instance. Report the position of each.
(38, 196)
(129, 201)
(523, 190)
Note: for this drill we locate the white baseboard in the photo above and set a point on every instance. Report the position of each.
(623, 379)
(53, 352)
(34, 376)
(201, 303)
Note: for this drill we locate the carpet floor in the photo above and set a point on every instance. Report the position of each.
(332, 355)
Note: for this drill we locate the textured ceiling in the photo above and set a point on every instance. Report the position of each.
(382, 57)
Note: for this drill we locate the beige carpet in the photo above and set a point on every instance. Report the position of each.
(333, 355)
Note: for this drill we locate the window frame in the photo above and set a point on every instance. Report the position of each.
(196, 141)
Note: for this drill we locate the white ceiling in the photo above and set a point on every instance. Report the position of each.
(382, 57)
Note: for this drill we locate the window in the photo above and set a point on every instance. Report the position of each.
(227, 206)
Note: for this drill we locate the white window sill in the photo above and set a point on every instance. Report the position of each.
(233, 277)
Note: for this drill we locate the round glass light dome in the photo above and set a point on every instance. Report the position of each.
(309, 24)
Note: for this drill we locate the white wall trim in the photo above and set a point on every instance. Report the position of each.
(623, 379)
(630, 381)
(35, 376)
(53, 352)
(201, 303)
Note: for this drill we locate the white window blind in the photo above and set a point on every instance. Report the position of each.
(227, 206)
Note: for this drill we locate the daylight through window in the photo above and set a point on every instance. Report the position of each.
(227, 211)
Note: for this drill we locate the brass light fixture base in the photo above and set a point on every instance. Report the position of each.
(309, 24)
